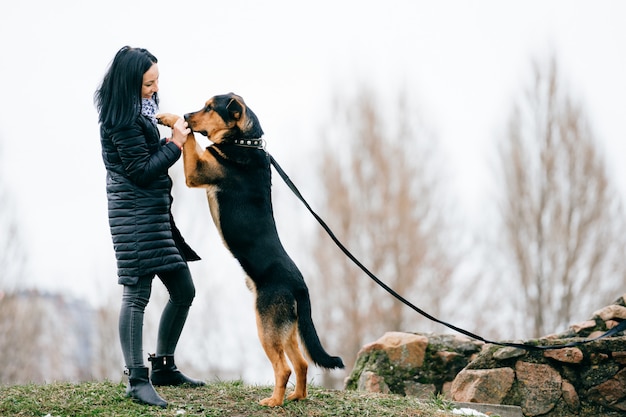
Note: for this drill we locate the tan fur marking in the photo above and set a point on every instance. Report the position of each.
(167, 119)
(300, 365)
(209, 122)
(201, 168)
(214, 208)
(251, 285)
(273, 345)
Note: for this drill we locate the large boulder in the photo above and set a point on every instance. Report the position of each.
(411, 363)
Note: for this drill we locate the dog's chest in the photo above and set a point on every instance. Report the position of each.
(214, 208)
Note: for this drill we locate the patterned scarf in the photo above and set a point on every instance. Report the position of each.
(149, 109)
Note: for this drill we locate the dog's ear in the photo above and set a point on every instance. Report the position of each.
(235, 108)
(244, 117)
(250, 126)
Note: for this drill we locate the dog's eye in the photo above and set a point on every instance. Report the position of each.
(208, 108)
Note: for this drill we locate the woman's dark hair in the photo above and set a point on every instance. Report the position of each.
(118, 99)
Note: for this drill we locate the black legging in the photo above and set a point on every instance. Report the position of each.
(134, 300)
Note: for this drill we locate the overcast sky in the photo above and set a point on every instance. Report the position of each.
(462, 61)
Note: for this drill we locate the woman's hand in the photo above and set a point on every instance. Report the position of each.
(180, 132)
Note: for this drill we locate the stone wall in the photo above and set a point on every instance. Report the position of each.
(411, 363)
(588, 380)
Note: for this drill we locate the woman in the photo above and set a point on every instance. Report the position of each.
(145, 238)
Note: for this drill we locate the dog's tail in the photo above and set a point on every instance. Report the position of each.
(308, 334)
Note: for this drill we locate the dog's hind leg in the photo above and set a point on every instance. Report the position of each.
(300, 365)
(272, 340)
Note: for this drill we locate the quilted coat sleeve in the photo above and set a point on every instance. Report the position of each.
(141, 165)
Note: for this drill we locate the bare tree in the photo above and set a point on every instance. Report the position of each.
(381, 196)
(563, 223)
(107, 363)
(19, 322)
(13, 258)
(45, 337)
(20, 328)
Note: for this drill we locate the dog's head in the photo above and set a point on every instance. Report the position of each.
(224, 118)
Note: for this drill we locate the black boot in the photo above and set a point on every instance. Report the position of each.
(141, 390)
(165, 372)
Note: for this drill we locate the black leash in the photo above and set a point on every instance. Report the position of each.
(620, 327)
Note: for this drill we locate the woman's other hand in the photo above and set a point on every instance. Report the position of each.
(180, 132)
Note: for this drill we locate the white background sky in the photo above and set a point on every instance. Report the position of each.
(463, 62)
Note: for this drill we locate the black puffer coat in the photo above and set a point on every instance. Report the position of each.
(145, 238)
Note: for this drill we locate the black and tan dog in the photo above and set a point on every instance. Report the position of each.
(235, 170)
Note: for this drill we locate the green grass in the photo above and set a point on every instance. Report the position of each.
(232, 399)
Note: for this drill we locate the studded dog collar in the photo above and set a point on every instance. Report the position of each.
(250, 143)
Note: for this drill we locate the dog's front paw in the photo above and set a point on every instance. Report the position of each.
(167, 119)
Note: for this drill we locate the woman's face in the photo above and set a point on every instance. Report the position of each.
(150, 83)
